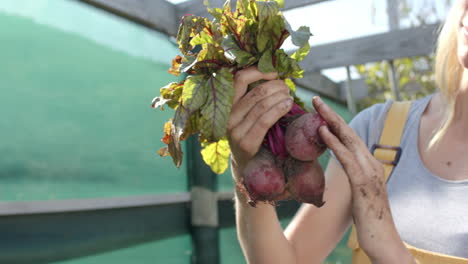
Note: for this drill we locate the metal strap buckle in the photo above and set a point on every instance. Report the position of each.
(389, 162)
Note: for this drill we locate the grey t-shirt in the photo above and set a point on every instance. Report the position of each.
(430, 212)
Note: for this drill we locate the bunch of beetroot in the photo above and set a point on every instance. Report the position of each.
(286, 166)
(212, 51)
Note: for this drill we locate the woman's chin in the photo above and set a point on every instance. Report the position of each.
(463, 59)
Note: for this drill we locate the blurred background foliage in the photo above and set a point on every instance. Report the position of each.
(415, 75)
(415, 80)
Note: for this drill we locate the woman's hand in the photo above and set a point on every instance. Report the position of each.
(254, 112)
(376, 230)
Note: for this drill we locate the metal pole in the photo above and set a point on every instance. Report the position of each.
(204, 209)
(394, 82)
(349, 93)
(394, 24)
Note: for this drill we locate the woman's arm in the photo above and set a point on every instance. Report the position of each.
(313, 233)
(377, 234)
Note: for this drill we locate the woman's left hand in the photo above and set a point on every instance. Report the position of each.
(376, 230)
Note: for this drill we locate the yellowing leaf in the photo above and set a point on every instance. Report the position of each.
(216, 155)
(290, 84)
(301, 53)
(171, 94)
(174, 70)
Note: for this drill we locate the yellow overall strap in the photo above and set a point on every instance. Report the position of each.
(388, 152)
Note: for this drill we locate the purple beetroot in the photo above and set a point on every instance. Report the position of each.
(306, 182)
(286, 166)
(263, 179)
(302, 139)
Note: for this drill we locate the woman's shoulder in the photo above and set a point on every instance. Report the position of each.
(368, 123)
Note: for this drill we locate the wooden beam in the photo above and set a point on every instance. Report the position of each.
(49, 237)
(411, 42)
(95, 204)
(196, 7)
(320, 84)
(156, 14)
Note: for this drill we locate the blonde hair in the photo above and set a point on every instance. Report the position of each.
(448, 71)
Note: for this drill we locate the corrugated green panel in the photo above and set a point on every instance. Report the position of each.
(175, 250)
(225, 180)
(76, 117)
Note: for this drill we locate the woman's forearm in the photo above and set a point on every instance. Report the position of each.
(377, 233)
(260, 233)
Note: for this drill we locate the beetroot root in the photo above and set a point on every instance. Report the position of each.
(302, 139)
(306, 181)
(263, 180)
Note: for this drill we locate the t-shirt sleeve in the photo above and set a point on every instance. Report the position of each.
(368, 124)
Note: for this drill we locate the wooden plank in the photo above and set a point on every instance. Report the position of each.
(156, 14)
(63, 206)
(196, 7)
(396, 44)
(44, 238)
(320, 84)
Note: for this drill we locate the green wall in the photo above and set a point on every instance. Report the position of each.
(76, 120)
(76, 116)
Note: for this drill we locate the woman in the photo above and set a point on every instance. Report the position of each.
(423, 204)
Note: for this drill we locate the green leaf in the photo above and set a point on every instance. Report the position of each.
(216, 155)
(283, 63)
(215, 113)
(270, 25)
(194, 94)
(286, 66)
(234, 53)
(211, 57)
(299, 37)
(266, 62)
(301, 53)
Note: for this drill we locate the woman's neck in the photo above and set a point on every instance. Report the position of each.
(459, 124)
(461, 100)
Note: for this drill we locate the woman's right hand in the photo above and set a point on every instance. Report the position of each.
(254, 112)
